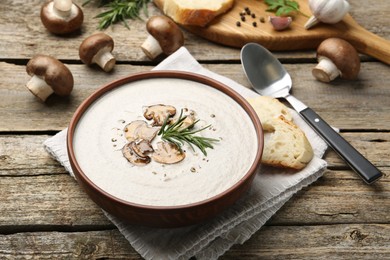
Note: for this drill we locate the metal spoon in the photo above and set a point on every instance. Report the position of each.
(269, 78)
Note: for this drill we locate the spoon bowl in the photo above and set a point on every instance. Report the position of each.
(274, 80)
(268, 77)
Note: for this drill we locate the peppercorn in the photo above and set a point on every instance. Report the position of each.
(238, 24)
(262, 20)
(243, 18)
(254, 24)
(253, 15)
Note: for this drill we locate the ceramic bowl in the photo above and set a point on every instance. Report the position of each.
(166, 195)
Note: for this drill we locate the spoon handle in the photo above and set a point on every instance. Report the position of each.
(367, 171)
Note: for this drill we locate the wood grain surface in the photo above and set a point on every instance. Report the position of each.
(46, 215)
(225, 31)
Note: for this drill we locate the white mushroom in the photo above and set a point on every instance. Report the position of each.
(61, 16)
(48, 76)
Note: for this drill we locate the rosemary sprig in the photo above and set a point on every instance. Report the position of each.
(120, 10)
(283, 7)
(179, 135)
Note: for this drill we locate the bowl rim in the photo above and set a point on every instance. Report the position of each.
(79, 174)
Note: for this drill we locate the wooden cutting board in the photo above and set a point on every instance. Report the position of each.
(224, 30)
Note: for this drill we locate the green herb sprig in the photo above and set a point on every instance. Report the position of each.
(283, 7)
(178, 135)
(120, 10)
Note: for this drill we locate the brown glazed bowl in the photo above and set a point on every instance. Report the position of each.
(165, 216)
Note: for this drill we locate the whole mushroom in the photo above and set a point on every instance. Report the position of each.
(97, 49)
(336, 57)
(164, 36)
(61, 16)
(48, 76)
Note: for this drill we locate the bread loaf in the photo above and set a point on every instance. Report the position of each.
(285, 144)
(195, 12)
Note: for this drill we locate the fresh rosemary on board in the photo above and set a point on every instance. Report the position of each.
(283, 7)
(176, 134)
(119, 10)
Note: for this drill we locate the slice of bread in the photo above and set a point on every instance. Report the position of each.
(267, 109)
(195, 12)
(285, 144)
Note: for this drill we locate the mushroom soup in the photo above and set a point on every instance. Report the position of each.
(100, 138)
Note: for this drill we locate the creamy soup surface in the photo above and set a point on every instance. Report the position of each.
(99, 138)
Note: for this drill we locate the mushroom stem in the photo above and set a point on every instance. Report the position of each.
(151, 47)
(62, 7)
(39, 88)
(311, 22)
(104, 59)
(325, 70)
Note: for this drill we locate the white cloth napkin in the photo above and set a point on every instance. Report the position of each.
(271, 188)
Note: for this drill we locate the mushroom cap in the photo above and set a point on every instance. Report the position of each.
(53, 72)
(93, 44)
(166, 32)
(342, 54)
(58, 25)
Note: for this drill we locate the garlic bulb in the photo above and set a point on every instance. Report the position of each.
(327, 11)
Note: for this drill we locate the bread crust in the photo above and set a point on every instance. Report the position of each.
(285, 144)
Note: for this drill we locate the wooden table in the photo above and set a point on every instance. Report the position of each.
(45, 214)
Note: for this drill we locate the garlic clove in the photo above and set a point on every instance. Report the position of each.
(280, 22)
(311, 22)
(327, 11)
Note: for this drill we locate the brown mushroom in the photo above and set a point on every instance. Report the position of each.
(165, 37)
(132, 156)
(48, 76)
(142, 147)
(188, 121)
(158, 113)
(61, 16)
(168, 153)
(336, 57)
(139, 129)
(97, 49)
